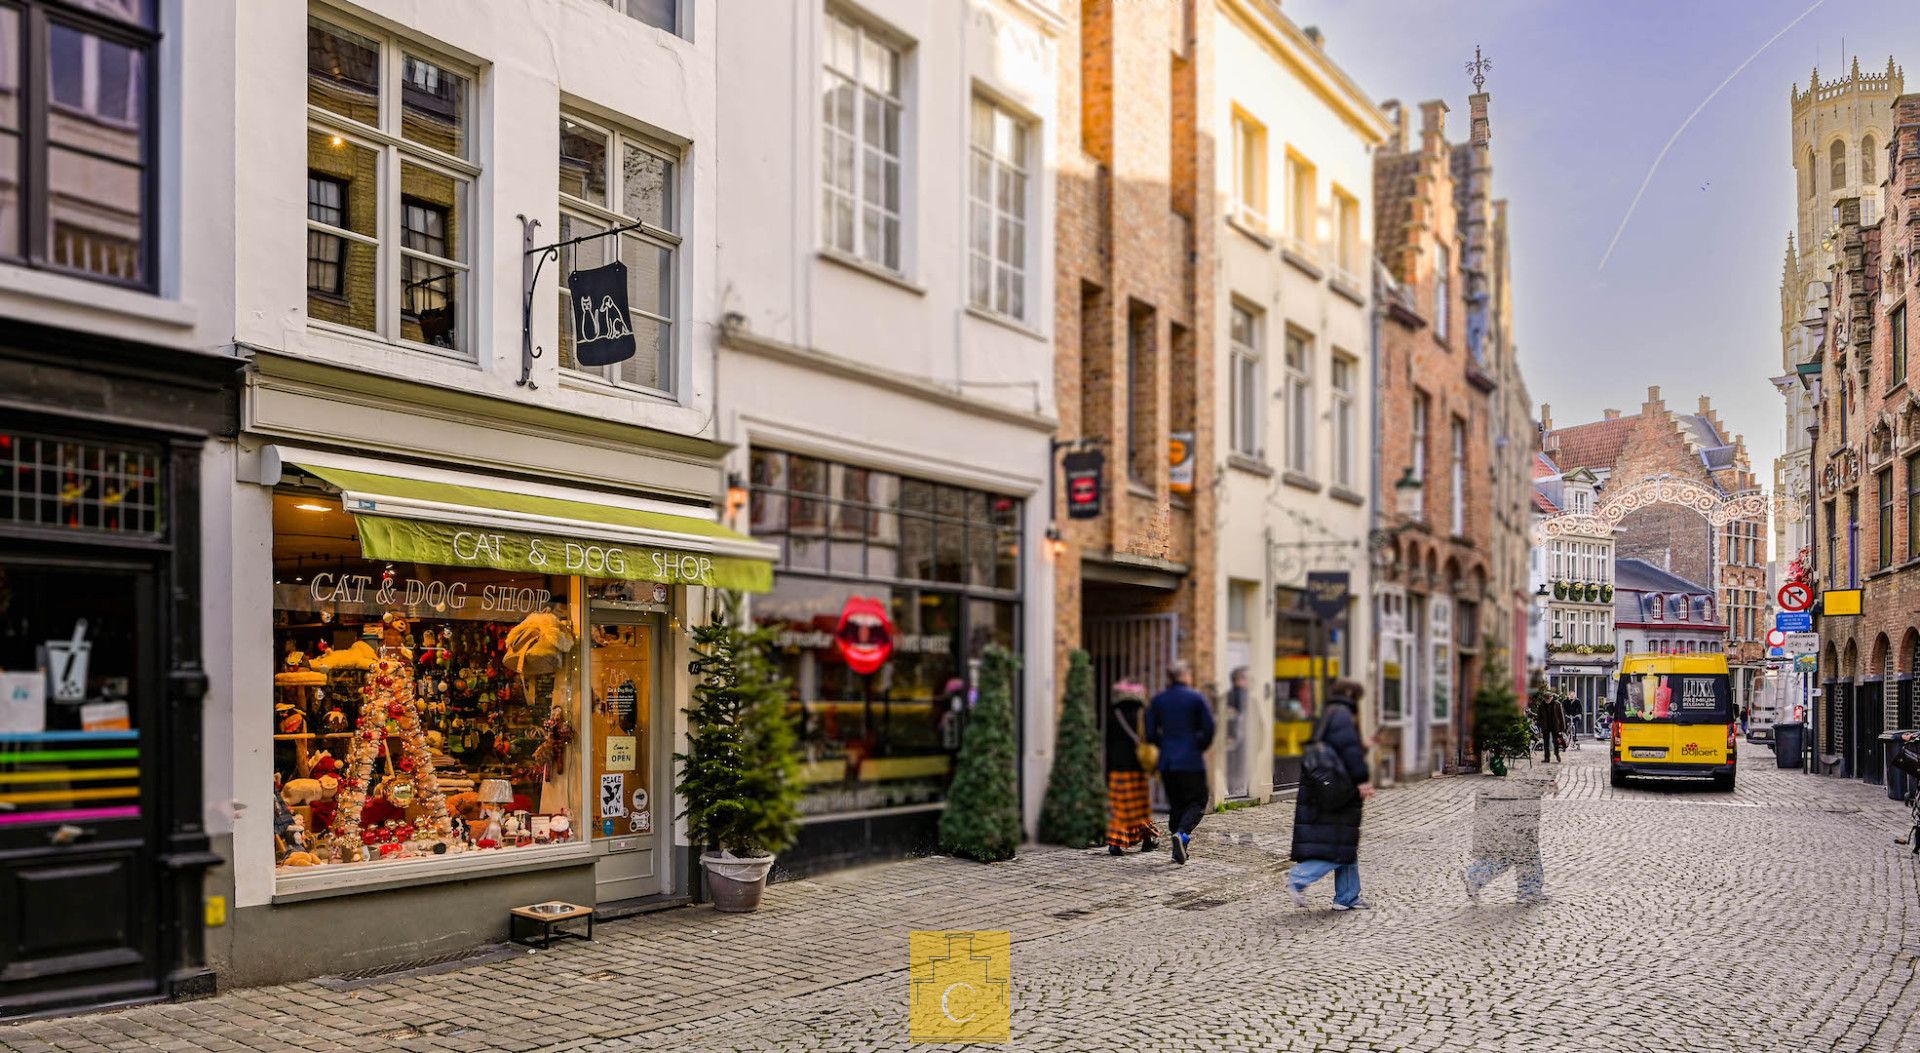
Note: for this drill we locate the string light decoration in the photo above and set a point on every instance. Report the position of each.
(388, 709)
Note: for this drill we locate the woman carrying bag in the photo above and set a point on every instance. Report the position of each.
(1326, 812)
(1130, 761)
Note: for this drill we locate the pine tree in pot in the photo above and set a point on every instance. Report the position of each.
(740, 774)
(1075, 811)
(982, 817)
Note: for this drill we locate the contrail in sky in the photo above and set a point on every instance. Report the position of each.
(1635, 203)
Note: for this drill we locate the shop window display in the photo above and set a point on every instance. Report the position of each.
(420, 711)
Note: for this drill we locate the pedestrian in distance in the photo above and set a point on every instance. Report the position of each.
(1131, 760)
(1326, 820)
(1506, 834)
(1552, 718)
(1180, 724)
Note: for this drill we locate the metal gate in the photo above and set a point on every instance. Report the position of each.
(1130, 647)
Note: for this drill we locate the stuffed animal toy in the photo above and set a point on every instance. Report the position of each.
(301, 859)
(306, 791)
(291, 720)
(465, 806)
(360, 656)
(393, 632)
(323, 764)
(537, 645)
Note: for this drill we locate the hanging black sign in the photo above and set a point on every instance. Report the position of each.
(601, 334)
(1327, 592)
(1084, 470)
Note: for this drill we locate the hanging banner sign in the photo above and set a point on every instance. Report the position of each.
(601, 332)
(451, 545)
(1086, 486)
(1328, 592)
(1180, 462)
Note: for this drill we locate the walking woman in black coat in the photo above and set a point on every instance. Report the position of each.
(1326, 839)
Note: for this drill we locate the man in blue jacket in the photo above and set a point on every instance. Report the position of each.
(1180, 722)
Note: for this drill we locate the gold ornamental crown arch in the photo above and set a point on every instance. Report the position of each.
(1718, 510)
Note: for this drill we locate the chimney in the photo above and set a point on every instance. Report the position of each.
(1479, 133)
(1706, 405)
(1653, 406)
(1397, 120)
(1546, 417)
(1433, 119)
(1610, 414)
(1318, 38)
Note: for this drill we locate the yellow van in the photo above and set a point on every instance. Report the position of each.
(1673, 715)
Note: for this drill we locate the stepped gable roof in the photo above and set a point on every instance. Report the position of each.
(1637, 575)
(1593, 445)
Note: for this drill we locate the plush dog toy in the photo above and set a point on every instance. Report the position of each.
(537, 645)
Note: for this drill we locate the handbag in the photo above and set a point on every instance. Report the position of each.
(1145, 752)
(1906, 758)
(1324, 781)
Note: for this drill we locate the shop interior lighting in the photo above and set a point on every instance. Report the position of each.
(309, 506)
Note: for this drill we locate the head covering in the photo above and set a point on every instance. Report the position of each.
(1129, 691)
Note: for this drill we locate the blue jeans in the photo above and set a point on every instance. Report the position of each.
(1530, 875)
(1346, 878)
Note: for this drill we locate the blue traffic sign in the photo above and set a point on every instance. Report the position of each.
(1776, 652)
(1793, 621)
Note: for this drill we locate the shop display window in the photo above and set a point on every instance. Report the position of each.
(419, 711)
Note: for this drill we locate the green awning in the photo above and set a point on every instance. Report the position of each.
(462, 525)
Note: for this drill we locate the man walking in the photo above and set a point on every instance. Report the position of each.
(1552, 718)
(1180, 722)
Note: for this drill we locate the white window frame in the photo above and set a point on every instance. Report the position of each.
(1417, 462)
(1347, 253)
(1442, 290)
(856, 197)
(1246, 387)
(392, 151)
(648, 236)
(1249, 170)
(1008, 235)
(1303, 204)
(1440, 636)
(1344, 416)
(1458, 434)
(1299, 402)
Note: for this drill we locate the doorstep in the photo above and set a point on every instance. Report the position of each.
(627, 908)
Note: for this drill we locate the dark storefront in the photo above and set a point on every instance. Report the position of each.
(101, 667)
(888, 590)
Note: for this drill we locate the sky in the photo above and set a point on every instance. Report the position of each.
(1584, 94)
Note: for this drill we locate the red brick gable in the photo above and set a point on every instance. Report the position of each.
(1595, 445)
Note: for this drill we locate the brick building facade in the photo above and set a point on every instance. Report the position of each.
(1435, 428)
(1677, 536)
(1866, 462)
(1135, 264)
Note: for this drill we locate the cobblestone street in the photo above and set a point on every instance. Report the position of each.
(1775, 918)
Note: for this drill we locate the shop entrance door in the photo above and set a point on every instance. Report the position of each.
(628, 809)
(81, 645)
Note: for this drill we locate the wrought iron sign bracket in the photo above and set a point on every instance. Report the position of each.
(532, 259)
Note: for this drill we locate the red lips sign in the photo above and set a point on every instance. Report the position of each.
(865, 634)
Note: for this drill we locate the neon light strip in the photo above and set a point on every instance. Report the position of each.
(70, 775)
(54, 756)
(96, 793)
(67, 736)
(70, 815)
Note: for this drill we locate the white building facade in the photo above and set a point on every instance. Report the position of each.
(883, 325)
(1293, 412)
(1578, 575)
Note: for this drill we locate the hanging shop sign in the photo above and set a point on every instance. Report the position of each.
(601, 333)
(1180, 462)
(450, 545)
(1328, 592)
(864, 637)
(1085, 476)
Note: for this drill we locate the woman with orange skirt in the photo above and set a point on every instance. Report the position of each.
(1129, 796)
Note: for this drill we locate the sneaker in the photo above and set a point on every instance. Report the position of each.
(1180, 849)
(1150, 844)
(1297, 894)
(1358, 904)
(1114, 850)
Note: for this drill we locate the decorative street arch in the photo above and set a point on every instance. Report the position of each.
(1719, 511)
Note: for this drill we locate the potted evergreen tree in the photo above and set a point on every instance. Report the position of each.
(982, 817)
(1075, 811)
(1499, 725)
(740, 775)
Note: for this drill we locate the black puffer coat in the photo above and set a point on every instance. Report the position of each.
(1333, 835)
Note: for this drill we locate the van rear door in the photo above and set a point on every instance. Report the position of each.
(1675, 718)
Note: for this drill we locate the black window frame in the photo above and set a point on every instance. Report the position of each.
(36, 19)
(1897, 346)
(1884, 482)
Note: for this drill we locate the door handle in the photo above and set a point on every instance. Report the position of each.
(69, 834)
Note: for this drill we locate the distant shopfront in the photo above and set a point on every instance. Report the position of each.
(1306, 656)
(887, 591)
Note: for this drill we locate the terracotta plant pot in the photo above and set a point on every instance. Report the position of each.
(736, 882)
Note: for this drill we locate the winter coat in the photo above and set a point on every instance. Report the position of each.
(1551, 716)
(1180, 722)
(1333, 834)
(1124, 717)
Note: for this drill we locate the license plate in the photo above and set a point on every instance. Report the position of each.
(1649, 752)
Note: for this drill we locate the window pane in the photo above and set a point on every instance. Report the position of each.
(660, 14)
(138, 12)
(646, 187)
(583, 162)
(343, 73)
(433, 106)
(434, 212)
(584, 256)
(346, 172)
(66, 67)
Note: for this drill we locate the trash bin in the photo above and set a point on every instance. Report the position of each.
(1898, 783)
(1789, 739)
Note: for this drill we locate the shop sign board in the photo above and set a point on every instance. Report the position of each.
(1792, 622)
(1180, 462)
(1085, 472)
(620, 752)
(454, 545)
(1328, 592)
(864, 636)
(1840, 603)
(601, 333)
